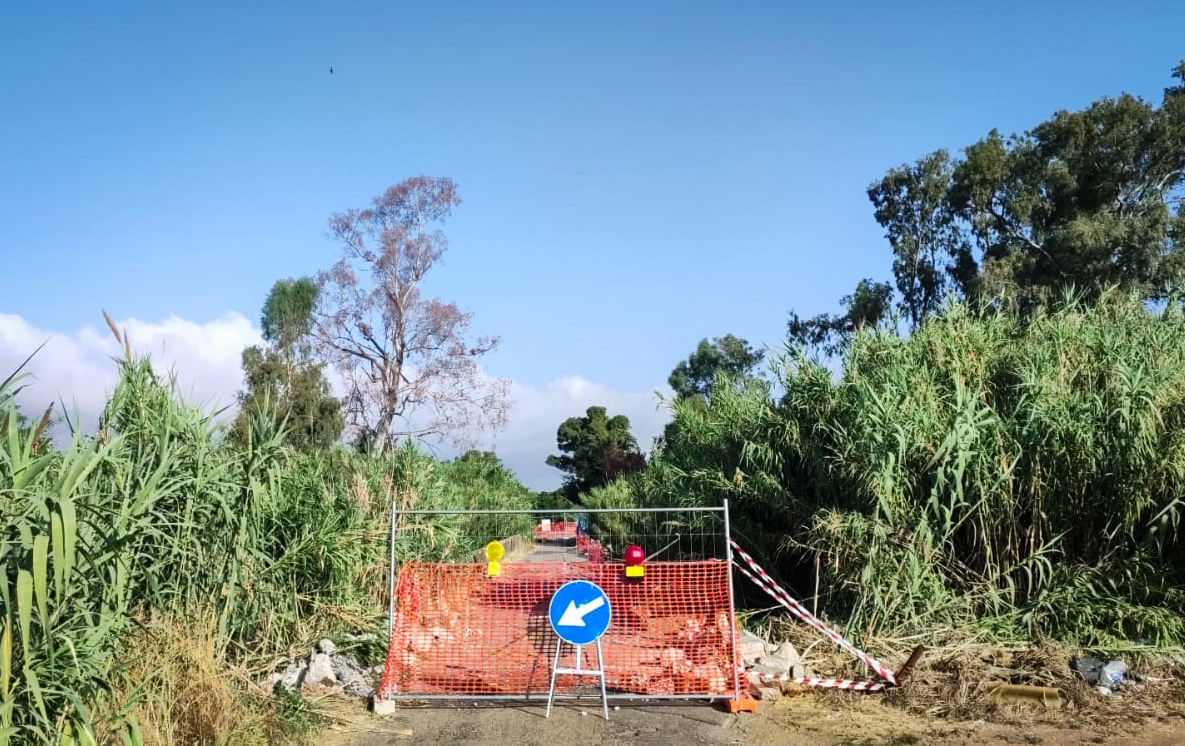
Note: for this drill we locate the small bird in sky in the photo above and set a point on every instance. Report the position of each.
(331, 71)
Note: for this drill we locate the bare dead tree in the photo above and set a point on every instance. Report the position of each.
(410, 369)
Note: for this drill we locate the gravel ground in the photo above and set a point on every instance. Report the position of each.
(793, 720)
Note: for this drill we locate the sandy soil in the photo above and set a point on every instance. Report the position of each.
(807, 719)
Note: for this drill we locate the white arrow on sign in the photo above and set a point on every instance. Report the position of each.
(573, 616)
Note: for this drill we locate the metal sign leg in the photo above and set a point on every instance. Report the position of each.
(580, 670)
(601, 666)
(555, 667)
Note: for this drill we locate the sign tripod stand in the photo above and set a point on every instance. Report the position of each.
(599, 672)
(579, 614)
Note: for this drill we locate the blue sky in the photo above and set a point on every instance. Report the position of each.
(635, 176)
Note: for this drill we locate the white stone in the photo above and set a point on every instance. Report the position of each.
(751, 647)
(771, 661)
(326, 646)
(769, 693)
(289, 678)
(787, 652)
(356, 681)
(320, 671)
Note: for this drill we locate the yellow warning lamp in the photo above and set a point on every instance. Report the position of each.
(494, 552)
(634, 557)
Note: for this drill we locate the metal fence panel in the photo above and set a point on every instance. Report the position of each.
(460, 630)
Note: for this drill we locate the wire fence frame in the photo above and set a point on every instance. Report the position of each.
(734, 637)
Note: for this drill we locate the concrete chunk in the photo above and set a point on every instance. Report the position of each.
(383, 706)
(751, 647)
(356, 681)
(772, 661)
(769, 693)
(290, 678)
(787, 652)
(320, 671)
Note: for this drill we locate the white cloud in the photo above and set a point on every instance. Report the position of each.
(535, 414)
(78, 369)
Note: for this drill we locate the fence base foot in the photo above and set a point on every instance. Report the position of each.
(383, 706)
(744, 703)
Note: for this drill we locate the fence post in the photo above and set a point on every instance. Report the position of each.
(732, 607)
(391, 575)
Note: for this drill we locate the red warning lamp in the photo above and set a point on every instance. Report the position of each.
(634, 557)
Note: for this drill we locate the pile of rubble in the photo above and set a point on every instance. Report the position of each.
(769, 668)
(326, 670)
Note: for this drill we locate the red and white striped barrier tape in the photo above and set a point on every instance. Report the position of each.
(779, 594)
(856, 686)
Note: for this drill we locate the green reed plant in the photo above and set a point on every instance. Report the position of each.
(158, 514)
(1018, 476)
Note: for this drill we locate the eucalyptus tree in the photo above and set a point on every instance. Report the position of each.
(409, 363)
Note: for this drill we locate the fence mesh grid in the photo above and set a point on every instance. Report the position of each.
(458, 630)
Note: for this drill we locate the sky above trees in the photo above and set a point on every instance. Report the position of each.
(633, 178)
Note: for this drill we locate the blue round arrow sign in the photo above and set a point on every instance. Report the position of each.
(579, 612)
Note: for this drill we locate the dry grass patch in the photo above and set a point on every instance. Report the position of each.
(176, 686)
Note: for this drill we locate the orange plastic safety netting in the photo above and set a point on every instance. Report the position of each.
(556, 530)
(459, 631)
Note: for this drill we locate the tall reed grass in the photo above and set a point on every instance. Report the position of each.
(157, 515)
(1021, 478)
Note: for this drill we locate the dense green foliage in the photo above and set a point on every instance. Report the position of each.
(595, 450)
(296, 396)
(1082, 199)
(1087, 200)
(730, 355)
(157, 515)
(1018, 477)
(867, 306)
(284, 382)
(931, 253)
(287, 318)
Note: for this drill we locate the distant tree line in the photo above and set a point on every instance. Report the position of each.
(1087, 200)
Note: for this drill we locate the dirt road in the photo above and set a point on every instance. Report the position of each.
(794, 720)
